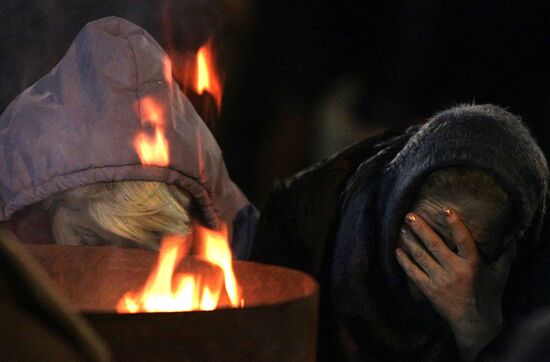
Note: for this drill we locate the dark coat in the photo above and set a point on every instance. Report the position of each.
(527, 341)
(339, 220)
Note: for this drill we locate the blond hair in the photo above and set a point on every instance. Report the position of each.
(138, 212)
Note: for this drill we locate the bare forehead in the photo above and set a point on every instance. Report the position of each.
(474, 211)
(462, 182)
(474, 193)
(479, 222)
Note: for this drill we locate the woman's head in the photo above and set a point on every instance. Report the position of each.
(49, 146)
(477, 137)
(481, 203)
(126, 213)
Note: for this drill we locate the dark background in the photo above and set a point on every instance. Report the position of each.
(305, 78)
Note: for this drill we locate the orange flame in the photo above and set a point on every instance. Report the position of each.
(168, 291)
(197, 74)
(214, 248)
(152, 150)
(167, 70)
(206, 78)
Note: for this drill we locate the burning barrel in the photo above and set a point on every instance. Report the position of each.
(277, 320)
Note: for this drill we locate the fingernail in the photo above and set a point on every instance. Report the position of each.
(398, 252)
(411, 218)
(403, 230)
(447, 212)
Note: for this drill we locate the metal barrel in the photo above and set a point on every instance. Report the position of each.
(277, 323)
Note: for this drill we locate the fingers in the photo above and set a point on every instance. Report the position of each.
(424, 259)
(461, 235)
(411, 269)
(430, 239)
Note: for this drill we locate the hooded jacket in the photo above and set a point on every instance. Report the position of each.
(339, 221)
(76, 126)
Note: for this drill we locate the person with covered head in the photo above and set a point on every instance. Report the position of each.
(69, 169)
(422, 241)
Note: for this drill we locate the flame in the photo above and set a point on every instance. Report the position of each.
(214, 248)
(167, 70)
(197, 74)
(165, 289)
(207, 79)
(152, 150)
(168, 291)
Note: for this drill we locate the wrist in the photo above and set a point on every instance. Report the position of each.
(473, 336)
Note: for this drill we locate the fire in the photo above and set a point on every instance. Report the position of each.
(206, 78)
(152, 150)
(214, 248)
(198, 76)
(168, 291)
(167, 70)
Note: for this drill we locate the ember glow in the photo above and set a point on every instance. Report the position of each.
(152, 149)
(169, 291)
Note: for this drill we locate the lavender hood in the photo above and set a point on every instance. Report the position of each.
(76, 126)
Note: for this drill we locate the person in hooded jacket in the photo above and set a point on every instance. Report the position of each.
(423, 241)
(69, 171)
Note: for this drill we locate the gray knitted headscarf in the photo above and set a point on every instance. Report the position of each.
(484, 137)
